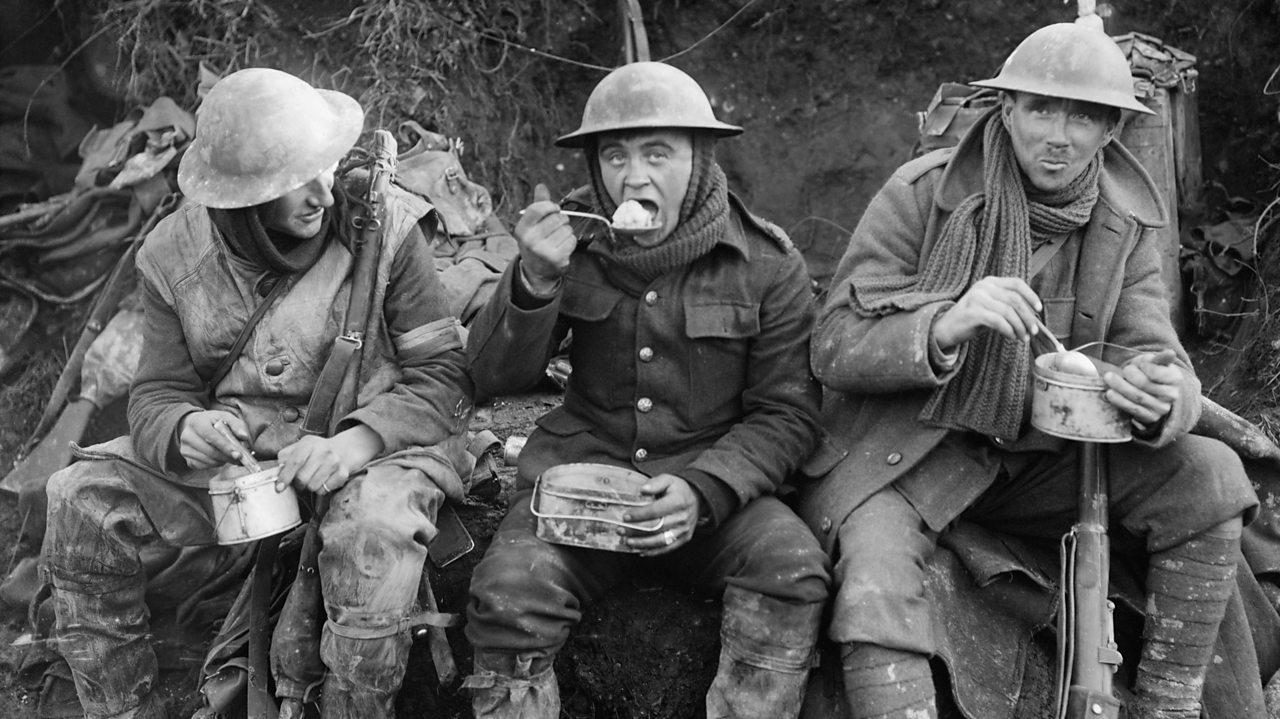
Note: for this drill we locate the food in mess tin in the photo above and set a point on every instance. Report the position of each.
(1078, 363)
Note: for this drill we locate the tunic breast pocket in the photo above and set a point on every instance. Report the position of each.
(720, 336)
(1059, 312)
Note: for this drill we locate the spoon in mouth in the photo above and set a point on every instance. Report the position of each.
(626, 230)
(601, 218)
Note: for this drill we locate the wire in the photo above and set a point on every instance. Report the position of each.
(706, 37)
(578, 63)
(518, 46)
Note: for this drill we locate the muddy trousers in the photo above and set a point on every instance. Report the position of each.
(1185, 501)
(375, 539)
(527, 595)
(107, 562)
(96, 553)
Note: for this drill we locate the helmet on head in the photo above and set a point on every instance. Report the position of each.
(262, 133)
(1071, 61)
(646, 95)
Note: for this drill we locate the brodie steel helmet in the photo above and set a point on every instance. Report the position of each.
(1071, 61)
(261, 133)
(646, 95)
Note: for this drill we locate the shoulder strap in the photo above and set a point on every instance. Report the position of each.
(236, 348)
(1045, 252)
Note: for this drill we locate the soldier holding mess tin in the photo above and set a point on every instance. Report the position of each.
(690, 321)
(266, 226)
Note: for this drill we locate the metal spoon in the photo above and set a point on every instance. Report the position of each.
(607, 221)
(1045, 334)
(243, 455)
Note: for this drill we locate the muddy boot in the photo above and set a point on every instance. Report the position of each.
(519, 686)
(1187, 591)
(366, 669)
(882, 683)
(766, 650)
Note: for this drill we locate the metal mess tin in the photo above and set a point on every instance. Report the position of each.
(582, 504)
(248, 507)
(1074, 406)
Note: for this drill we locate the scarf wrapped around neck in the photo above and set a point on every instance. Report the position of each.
(279, 253)
(703, 220)
(990, 233)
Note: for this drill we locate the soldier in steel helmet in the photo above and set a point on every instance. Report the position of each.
(923, 350)
(690, 366)
(265, 222)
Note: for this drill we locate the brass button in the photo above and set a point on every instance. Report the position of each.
(826, 525)
(894, 457)
(290, 414)
(644, 404)
(641, 454)
(646, 354)
(651, 298)
(999, 441)
(276, 367)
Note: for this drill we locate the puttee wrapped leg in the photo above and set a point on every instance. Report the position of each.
(766, 651)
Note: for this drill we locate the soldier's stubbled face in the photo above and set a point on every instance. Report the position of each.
(1055, 139)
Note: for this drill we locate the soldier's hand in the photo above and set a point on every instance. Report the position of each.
(325, 464)
(1146, 387)
(546, 241)
(203, 446)
(676, 503)
(314, 463)
(1006, 305)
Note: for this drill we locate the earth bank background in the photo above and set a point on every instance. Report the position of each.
(826, 91)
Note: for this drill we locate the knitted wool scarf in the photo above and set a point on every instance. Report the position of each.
(703, 219)
(990, 233)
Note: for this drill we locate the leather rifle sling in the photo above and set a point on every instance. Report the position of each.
(1045, 252)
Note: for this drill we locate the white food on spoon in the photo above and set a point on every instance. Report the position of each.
(631, 215)
(1074, 362)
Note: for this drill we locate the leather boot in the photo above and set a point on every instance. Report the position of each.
(513, 686)
(882, 683)
(766, 650)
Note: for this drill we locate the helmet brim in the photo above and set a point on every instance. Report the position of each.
(1110, 99)
(578, 138)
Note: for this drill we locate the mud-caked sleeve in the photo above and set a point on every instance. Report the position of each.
(433, 396)
(165, 388)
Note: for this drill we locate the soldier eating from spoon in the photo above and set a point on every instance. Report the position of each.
(690, 366)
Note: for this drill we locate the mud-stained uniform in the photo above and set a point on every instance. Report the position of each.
(133, 500)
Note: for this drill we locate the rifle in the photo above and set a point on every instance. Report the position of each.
(1087, 654)
(301, 671)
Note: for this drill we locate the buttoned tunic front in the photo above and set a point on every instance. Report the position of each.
(702, 372)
